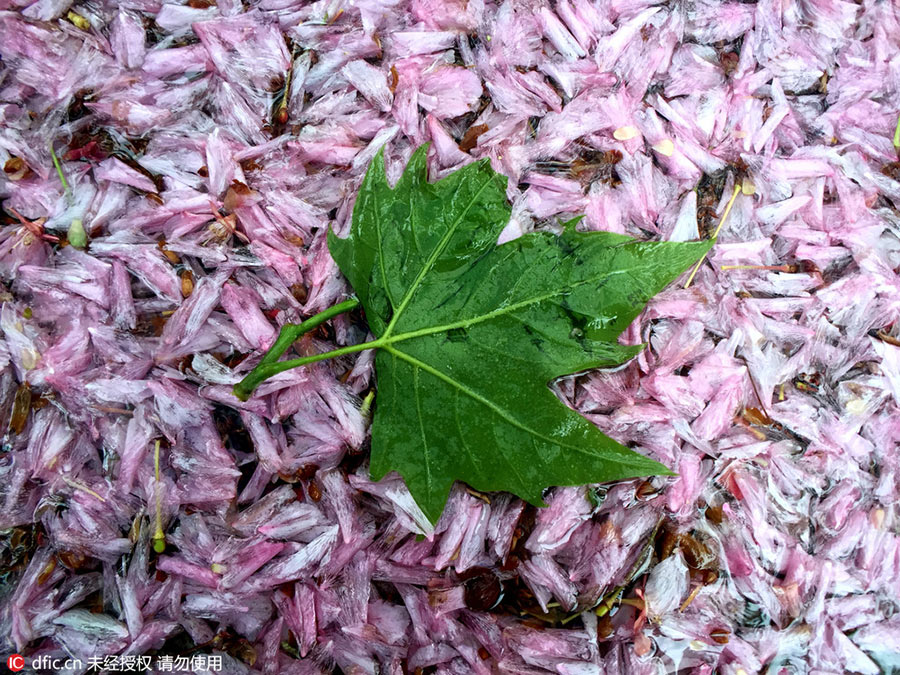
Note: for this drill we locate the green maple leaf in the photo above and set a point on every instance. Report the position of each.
(469, 334)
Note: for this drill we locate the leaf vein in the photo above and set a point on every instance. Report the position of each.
(428, 478)
(384, 279)
(465, 323)
(500, 412)
(433, 257)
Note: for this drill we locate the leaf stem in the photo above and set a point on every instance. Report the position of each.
(269, 365)
(291, 331)
(262, 372)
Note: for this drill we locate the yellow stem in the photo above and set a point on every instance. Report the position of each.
(737, 190)
(690, 598)
(83, 488)
(159, 537)
(897, 135)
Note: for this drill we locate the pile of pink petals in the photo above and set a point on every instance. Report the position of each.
(207, 149)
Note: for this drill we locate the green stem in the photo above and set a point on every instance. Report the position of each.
(269, 365)
(62, 176)
(262, 372)
(291, 331)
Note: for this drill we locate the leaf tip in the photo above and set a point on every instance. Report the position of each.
(376, 172)
(572, 223)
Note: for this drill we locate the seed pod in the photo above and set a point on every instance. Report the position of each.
(470, 138)
(720, 635)
(315, 492)
(187, 283)
(171, 256)
(47, 571)
(300, 292)
(715, 514)
(696, 554)
(15, 168)
(646, 491)
(21, 408)
(76, 235)
(481, 589)
(73, 560)
(78, 21)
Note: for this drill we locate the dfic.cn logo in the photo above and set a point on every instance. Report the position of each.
(15, 662)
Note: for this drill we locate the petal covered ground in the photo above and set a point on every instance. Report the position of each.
(206, 150)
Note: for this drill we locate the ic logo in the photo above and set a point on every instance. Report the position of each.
(15, 662)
